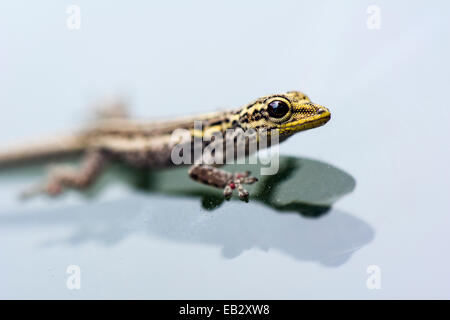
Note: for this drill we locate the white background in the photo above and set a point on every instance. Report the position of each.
(387, 90)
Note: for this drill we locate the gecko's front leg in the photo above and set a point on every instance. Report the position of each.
(61, 177)
(222, 179)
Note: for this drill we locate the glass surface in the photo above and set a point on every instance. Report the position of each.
(370, 188)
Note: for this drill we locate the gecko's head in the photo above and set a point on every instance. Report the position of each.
(287, 113)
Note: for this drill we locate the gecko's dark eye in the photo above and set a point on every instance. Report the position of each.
(278, 109)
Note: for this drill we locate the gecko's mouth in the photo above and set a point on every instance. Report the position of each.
(301, 125)
(324, 118)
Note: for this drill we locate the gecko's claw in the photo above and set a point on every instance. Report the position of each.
(243, 194)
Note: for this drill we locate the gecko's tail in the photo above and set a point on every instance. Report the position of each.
(50, 148)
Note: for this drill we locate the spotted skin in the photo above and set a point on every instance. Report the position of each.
(145, 144)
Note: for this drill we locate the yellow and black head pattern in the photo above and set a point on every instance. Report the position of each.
(287, 113)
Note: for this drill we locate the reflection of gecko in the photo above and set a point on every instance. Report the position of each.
(150, 144)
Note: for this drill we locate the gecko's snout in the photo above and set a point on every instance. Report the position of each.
(322, 110)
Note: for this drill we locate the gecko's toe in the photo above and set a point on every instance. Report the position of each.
(245, 178)
(243, 194)
(244, 197)
(249, 180)
(53, 189)
(227, 192)
(39, 189)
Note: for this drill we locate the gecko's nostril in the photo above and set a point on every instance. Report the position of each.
(321, 110)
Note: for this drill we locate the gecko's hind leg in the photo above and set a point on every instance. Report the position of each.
(111, 108)
(222, 179)
(61, 177)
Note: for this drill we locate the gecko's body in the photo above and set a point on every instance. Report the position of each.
(151, 144)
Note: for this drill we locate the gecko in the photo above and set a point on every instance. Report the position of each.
(151, 144)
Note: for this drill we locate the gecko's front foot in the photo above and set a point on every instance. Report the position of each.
(236, 183)
(218, 178)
